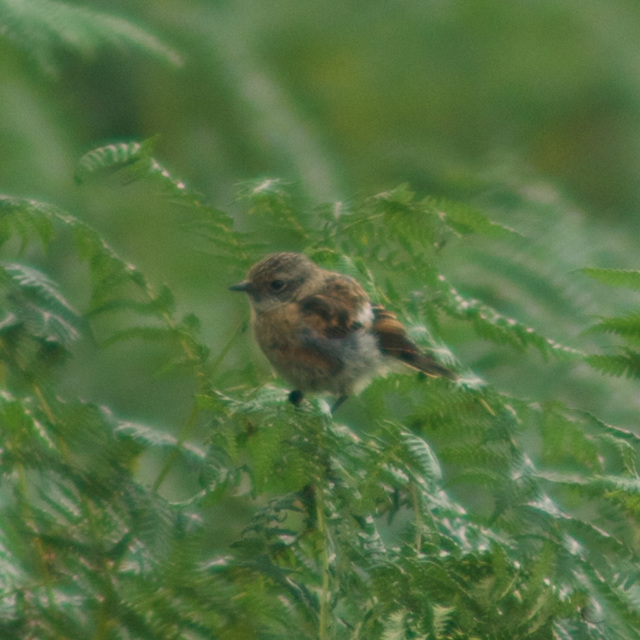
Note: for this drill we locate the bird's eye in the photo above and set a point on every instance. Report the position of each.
(277, 285)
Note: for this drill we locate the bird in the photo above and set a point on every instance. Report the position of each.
(321, 332)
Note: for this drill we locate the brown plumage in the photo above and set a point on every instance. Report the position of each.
(394, 341)
(320, 331)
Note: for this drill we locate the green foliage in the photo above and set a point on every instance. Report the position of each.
(42, 26)
(423, 509)
(627, 361)
(627, 278)
(428, 509)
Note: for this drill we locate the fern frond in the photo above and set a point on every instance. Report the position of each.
(473, 457)
(626, 364)
(627, 326)
(427, 465)
(273, 204)
(109, 272)
(279, 457)
(578, 528)
(43, 26)
(625, 278)
(39, 325)
(219, 470)
(151, 438)
(395, 626)
(609, 597)
(27, 279)
(494, 326)
(465, 220)
(128, 162)
(426, 509)
(163, 302)
(442, 617)
(10, 573)
(25, 430)
(64, 501)
(265, 397)
(618, 433)
(27, 218)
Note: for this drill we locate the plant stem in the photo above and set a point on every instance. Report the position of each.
(324, 593)
(418, 517)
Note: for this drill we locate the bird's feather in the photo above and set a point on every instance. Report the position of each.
(335, 311)
(394, 341)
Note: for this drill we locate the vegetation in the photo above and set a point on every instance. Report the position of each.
(155, 481)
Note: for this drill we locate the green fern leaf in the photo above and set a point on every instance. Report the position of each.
(465, 220)
(27, 218)
(39, 325)
(610, 597)
(627, 364)
(11, 574)
(161, 303)
(441, 620)
(64, 501)
(133, 161)
(32, 281)
(395, 627)
(427, 463)
(616, 432)
(627, 326)
(43, 26)
(151, 438)
(130, 161)
(109, 272)
(273, 204)
(494, 326)
(23, 428)
(626, 278)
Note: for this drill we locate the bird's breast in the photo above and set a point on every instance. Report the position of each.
(277, 329)
(285, 341)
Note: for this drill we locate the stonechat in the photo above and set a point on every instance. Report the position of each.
(320, 331)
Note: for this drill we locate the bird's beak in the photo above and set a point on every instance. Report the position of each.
(245, 286)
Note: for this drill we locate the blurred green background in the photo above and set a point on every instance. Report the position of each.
(347, 96)
(528, 110)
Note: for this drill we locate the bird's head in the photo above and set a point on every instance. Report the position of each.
(277, 279)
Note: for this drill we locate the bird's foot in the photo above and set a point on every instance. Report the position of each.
(296, 397)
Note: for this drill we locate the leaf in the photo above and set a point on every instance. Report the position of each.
(39, 325)
(627, 326)
(627, 364)
(152, 438)
(466, 220)
(44, 26)
(130, 161)
(626, 278)
(498, 328)
(127, 162)
(30, 279)
(275, 206)
(27, 218)
(426, 462)
(395, 627)
(162, 303)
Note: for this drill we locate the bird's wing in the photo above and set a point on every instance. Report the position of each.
(339, 309)
(394, 341)
(342, 308)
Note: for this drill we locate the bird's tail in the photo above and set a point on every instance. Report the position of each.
(394, 341)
